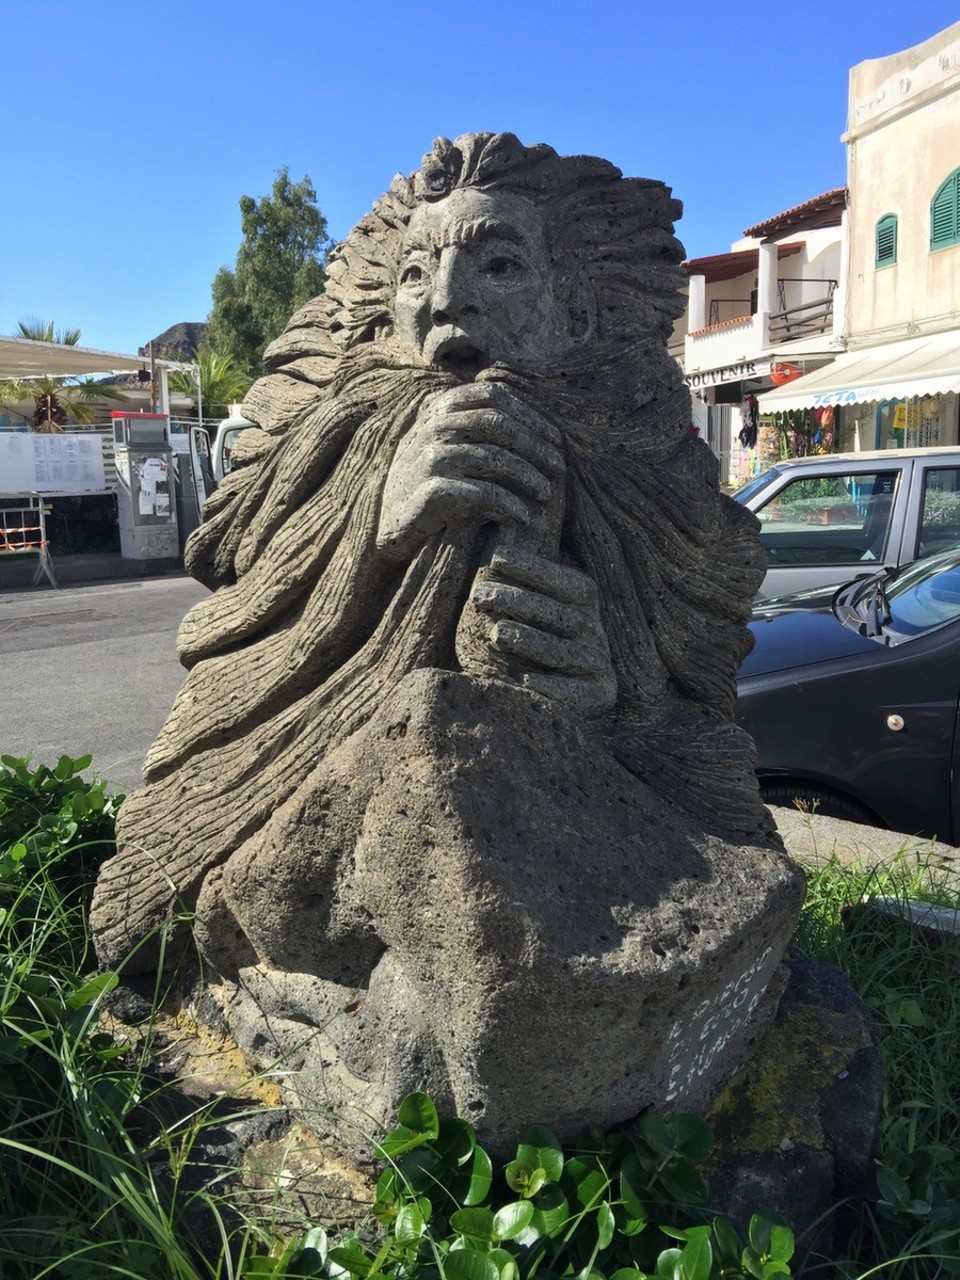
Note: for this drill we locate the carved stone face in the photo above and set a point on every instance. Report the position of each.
(476, 285)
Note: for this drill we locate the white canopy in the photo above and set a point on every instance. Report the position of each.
(25, 358)
(896, 371)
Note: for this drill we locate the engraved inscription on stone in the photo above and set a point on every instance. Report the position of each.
(695, 1041)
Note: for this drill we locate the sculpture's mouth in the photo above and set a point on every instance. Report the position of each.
(459, 356)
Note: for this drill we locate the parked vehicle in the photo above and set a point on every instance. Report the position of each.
(227, 432)
(852, 698)
(830, 518)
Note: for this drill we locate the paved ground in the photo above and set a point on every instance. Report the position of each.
(812, 838)
(91, 670)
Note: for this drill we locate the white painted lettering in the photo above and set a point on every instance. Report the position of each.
(695, 1044)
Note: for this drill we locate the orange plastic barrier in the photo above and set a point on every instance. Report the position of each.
(24, 529)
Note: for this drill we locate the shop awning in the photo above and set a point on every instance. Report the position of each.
(896, 371)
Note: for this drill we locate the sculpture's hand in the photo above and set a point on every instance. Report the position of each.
(476, 454)
(543, 618)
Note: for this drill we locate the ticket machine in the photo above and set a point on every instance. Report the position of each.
(146, 486)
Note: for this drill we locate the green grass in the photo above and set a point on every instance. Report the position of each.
(76, 1198)
(83, 1196)
(93, 1185)
(912, 985)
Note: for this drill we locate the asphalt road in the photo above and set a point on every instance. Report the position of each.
(91, 670)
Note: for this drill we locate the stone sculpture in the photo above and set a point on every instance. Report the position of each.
(452, 784)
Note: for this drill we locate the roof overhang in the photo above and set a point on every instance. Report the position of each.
(895, 371)
(26, 358)
(738, 262)
(821, 211)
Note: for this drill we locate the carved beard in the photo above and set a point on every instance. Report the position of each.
(620, 409)
(310, 627)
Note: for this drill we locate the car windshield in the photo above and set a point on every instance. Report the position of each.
(895, 606)
(746, 492)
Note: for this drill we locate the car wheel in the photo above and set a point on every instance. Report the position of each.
(801, 795)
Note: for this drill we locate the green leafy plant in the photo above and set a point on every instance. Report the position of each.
(55, 830)
(52, 814)
(79, 1194)
(800, 433)
(807, 491)
(630, 1203)
(941, 508)
(222, 382)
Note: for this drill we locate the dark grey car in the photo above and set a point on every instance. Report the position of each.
(852, 698)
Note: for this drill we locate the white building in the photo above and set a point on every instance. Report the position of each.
(898, 383)
(769, 308)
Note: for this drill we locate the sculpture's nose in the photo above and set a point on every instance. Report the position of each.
(452, 297)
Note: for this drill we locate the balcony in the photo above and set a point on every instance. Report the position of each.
(725, 311)
(804, 319)
(725, 342)
(737, 334)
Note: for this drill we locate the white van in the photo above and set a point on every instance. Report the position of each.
(223, 442)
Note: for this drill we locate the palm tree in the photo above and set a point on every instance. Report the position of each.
(52, 396)
(222, 381)
(44, 331)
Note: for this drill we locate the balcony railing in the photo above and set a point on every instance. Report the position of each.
(723, 310)
(806, 319)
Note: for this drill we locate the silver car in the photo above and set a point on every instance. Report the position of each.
(831, 518)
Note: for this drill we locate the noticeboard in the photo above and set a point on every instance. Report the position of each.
(58, 464)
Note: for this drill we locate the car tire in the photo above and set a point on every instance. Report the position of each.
(828, 804)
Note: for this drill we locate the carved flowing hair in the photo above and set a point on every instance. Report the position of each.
(308, 628)
(617, 233)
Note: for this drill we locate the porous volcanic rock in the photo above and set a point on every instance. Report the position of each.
(536, 941)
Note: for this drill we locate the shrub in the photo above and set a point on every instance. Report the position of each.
(629, 1205)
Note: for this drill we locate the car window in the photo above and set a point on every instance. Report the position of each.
(229, 440)
(824, 520)
(940, 511)
(924, 596)
(754, 486)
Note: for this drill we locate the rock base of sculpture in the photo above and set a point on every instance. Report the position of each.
(797, 1126)
(529, 936)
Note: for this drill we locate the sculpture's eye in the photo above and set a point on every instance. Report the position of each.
(503, 265)
(412, 274)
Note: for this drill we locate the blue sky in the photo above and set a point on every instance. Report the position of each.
(133, 130)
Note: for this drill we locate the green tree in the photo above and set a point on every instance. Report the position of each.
(279, 267)
(54, 398)
(222, 383)
(45, 331)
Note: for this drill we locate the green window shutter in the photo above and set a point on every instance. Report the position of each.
(887, 240)
(945, 213)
